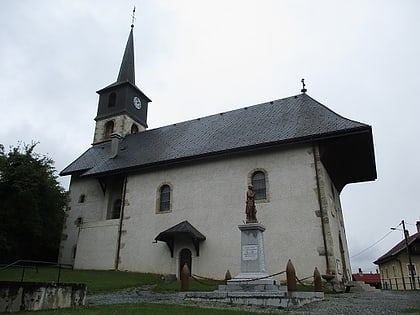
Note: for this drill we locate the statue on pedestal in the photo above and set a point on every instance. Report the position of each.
(250, 210)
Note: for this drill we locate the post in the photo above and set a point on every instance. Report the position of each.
(59, 273)
(185, 277)
(317, 281)
(23, 274)
(290, 277)
(410, 269)
(228, 276)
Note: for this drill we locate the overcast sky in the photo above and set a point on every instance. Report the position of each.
(195, 58)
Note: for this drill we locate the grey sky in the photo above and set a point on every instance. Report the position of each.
(195, 58)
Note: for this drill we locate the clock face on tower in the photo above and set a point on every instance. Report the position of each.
(136, 102)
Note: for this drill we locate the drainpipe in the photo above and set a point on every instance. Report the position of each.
(320, 208)
(117, 257)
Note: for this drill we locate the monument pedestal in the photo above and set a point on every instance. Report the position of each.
(253, 286)
(252, 258)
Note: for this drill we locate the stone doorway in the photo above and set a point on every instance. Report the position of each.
(185, 257)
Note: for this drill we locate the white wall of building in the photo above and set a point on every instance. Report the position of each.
(97, 245)
(211, 196)
(90, 210)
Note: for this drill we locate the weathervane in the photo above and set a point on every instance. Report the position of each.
(133, 17)
(303, 88)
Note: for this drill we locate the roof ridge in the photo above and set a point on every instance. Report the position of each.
(254, 106)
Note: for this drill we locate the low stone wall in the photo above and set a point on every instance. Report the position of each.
(35, 296)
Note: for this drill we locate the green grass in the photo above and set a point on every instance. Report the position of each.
(104, 281)
(411, 310)
(145, 309)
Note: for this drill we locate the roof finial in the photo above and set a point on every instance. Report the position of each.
(303, 88)
(133, 17)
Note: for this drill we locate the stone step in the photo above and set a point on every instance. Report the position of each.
(250, 287)
(359, 286)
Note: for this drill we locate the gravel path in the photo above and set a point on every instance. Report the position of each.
(385, 302)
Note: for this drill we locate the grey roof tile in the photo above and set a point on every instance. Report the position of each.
(291, 119)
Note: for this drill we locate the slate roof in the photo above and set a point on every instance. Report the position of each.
(293, 119)
(397, 249)
(184, 227)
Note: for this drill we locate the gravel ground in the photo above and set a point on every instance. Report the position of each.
(385, 302)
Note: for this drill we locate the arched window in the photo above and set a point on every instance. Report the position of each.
(111, 99)
(164, 198)
(109, 129)
(259, 182)
(134, 128)
(116, 210)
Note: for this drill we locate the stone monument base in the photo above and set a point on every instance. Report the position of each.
(253, 285)
(280, 299)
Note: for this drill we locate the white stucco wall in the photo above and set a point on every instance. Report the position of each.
(211, 196)
(90, 210)
(97, 245)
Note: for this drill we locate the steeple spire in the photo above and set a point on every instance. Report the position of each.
(127, 64)
(122, 105)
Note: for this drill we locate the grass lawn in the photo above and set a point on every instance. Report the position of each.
(103, 281)
(144, 309)
(109, 281)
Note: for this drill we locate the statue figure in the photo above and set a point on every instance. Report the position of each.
(250, 210)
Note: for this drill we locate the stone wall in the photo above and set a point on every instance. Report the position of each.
(35, 296)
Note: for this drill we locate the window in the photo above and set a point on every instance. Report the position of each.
(116, 210)
(134, 128)
(111, 99)
(82, 198)
(164, 198)
(79, 221)
(109, 129)
(259, 182)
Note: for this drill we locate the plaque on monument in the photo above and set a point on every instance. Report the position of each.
(249, 252)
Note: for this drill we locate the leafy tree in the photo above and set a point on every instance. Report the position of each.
(31, 205)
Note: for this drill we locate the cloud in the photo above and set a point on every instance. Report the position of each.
(195, 58)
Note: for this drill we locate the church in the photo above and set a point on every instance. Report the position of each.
(151, 200)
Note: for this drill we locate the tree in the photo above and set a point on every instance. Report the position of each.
(31, 205)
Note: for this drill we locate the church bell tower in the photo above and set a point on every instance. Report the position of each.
(122, 106)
